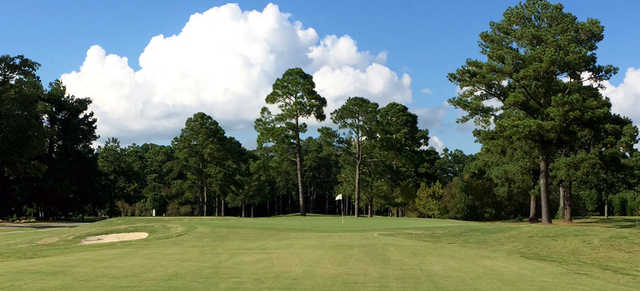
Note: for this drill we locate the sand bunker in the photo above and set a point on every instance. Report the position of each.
(105, 238)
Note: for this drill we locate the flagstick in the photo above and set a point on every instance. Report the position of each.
(342, 212)
(339, 197)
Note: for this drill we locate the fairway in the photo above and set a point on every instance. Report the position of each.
(320, 252)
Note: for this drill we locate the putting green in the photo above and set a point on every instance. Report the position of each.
(320, 252)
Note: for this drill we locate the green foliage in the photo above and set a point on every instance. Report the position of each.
(21, 131)
(428, 201)
(469, 198)
(22, 136)
(538, 61)
(626, 203)
(451, 164)
(213, 163)
(400, 145)
(296, 97)
(294, 94)
(359, 116)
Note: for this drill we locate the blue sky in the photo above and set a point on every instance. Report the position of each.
(423, 39)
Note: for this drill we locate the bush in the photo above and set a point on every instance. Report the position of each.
(125, 208)
(626, 203)
(175, 209)
(428, 201)
(469, 198)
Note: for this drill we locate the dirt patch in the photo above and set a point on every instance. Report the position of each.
(115, 237)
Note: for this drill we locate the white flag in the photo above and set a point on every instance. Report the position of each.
(339, 197)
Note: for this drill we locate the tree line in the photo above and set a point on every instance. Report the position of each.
(551, 146)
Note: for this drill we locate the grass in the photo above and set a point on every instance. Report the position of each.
(319, 252)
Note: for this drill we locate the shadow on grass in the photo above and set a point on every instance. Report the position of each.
(614, 222)
(40, 225)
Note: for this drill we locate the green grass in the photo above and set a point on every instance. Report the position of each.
(7, 230)
(319, 252)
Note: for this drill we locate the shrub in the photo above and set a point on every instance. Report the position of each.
(428, 201)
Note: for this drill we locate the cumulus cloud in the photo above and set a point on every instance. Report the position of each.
(625, 98)
(223, 62)
(436, 143)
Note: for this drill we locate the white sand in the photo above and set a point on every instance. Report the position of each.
(115, 237)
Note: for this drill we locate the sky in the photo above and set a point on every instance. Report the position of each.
(149, 65)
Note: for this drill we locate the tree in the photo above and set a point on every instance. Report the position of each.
(68, 184)
(22, 136)
(261, 185)
(276, 145)
(536, 56)
(321, 166)
(613, 152)
(507, 162)
(451, 164)
(123, 170)
(399, 146)
(157, 159)
(232, 173)
(295, 95)
(358, 115)
(200, 148)
(428, 199)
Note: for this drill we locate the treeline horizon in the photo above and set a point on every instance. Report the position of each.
(551, 147)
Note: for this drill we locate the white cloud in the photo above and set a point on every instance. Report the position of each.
(223, 63)
(426, 91)
(625, 98)
(377, 83)
(431, 117)
(436, 143)
(336, 52)
(493, 103)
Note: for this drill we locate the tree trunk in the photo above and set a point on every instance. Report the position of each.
(326, 205)
(312, 200)
(567, 204)
(299, 169)
(606, 208)
(242, 203)
(205, 199)
(251, 210)
(215, 205)
(347, 203)
(563, 190)
(544, 190)
(222, 206)
(532, 209)
(200, 203)
(357, 178)
(357, 190)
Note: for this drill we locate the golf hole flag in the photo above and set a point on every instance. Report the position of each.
(339, 197)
